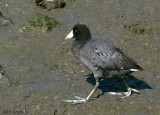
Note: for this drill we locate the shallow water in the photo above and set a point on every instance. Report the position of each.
(42, 71)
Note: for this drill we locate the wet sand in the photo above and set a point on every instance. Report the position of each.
(40, 71)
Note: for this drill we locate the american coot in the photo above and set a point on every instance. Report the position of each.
(102, 57)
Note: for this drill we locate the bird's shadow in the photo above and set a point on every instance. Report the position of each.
(116, 84)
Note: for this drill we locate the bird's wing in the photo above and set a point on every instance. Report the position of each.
(109, 57)
(122, 60)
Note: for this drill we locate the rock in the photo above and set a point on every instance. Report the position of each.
(50, 4)
(41, 21)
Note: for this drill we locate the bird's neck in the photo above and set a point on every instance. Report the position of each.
(75, 48)
(77, 44)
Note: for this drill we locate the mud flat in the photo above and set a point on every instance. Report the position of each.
(39, 70)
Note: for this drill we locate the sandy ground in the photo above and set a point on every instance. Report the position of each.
(39, 71)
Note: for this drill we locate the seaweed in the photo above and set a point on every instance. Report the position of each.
(40, 21)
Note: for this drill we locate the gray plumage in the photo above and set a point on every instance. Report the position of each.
(102, 57)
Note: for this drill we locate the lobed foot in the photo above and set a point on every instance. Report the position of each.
(77, 101)
(127, 94)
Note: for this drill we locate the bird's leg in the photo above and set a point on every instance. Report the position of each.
(93, 91)
(129, 89)
(82, 100)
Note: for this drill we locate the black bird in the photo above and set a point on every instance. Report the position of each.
(102, 57)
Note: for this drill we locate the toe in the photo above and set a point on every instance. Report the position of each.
(135, 91)
(76, 101)
(115, 93)
(128, 93)
(68, 101)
